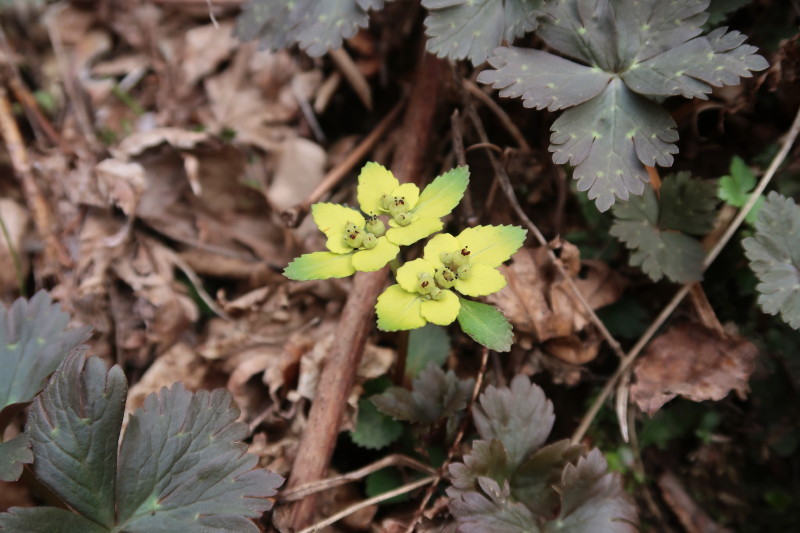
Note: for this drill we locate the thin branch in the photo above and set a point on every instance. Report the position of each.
(493, 106)
(456, 442)
(508, 190)
(300, 492)
(628, 360)
(366, 503)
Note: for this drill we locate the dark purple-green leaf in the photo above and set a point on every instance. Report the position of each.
(492, 509)
(14, 454)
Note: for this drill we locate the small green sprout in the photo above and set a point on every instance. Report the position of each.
(353, 244)
(412, 215)
(426, 288)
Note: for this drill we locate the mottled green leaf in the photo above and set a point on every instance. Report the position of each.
(316, 26)
(434, 395)
(543, 80)
(609, 139)
(14, 454)
(374, 430)
(471, 29)
(49, 519)
(774, 254)
(485, 324)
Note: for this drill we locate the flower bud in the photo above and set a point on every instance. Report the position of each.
(404, 219)
(446, 258)
(426, 283)
(463, 272)
(369, 241)
(385, 200)
(436, 293)
(445, 278)
(354, 239)
(397, 205)
(375, 226)
(461, 257)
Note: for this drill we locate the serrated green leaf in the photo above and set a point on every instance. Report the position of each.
(434, 395)
(543, 80)
(735, 188)
(14, 454)
(493, 510)
(658, 250)
(316, 26)
(520, 417)
(426, 345)
(471, 29)
(687, 205)
(609, 139)
(486, 459)
(593, 500)
(179, 466)
(774, 254)
(641, 49)
(374, 430)
(485, 325)
(33, 342)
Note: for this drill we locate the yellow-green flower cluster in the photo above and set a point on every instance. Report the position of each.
(428, 288)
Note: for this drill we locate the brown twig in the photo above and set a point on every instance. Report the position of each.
(456, 442)
(293, 216)
(55, 252)
(298, 493)
(353, 75)
(505, 120)
(505, 185)
(627, 361)
(338, 375)
(461, 160)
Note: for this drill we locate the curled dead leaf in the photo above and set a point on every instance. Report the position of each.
(693, 362)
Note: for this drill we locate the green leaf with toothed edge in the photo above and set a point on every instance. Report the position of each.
(485, 324)
(460, 29)
(316, 26)
(633, 51)
(374, 430)
(774, 254)
(180, 466)
(14, 454)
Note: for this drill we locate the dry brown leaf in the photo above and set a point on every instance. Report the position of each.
(300, 168)
(538, 301)
(205, 48)
(181, 363)
(694, 362)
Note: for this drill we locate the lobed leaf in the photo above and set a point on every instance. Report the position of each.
(533, 482)
(633, 51)
(542, 80)
(374, 430)
(735, 188)
(316, 26)
(486, 459)
(485, 325)
(592, 500)
(434, 395)
(492, 509)
(650, 227)
(774, 254)
(520, 417)
(428, 344)
(471, 29)
(179, 466)
(610, 139)
(33, 342)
